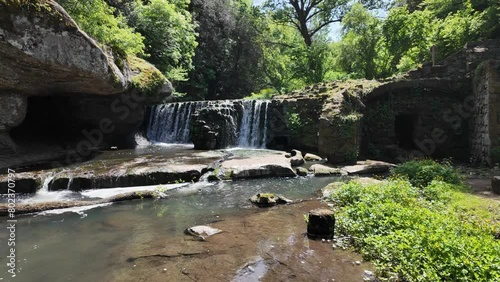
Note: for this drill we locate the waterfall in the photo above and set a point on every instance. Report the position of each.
(253, 130)
(171, 123)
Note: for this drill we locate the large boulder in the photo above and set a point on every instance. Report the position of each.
(43, 51)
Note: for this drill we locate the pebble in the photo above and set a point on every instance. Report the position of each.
(357, 262)
(164, 270)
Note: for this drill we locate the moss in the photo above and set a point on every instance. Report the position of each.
(147, 79)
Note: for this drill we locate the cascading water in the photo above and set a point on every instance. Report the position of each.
(171, 123)
(253, 132)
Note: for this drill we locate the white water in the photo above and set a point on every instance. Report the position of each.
(253, 132)
(170, 123)
(110, 192)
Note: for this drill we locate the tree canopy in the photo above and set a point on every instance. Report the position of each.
(217, 49)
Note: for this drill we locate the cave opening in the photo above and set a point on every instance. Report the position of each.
(405, 131)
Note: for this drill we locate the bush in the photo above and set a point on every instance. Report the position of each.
(97, 19)
(421, 233)
(421, 173)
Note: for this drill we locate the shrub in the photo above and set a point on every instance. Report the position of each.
(97, 19)
(421, 233)
(421, 173)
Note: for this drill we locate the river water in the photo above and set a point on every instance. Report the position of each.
(104, 243)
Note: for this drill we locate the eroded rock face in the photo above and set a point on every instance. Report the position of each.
(12, 113)
(214, 127)
(42, 51)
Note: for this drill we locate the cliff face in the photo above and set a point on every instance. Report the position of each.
(44, 52)
(52, 72)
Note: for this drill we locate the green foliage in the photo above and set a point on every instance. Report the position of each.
(169, 35)
(421, 234)
(227, 63)
(357, 51)
(97, 19)
(422, 173)
(294, 121)
(266, 93)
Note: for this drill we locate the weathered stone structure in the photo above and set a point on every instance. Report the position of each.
(446, 110)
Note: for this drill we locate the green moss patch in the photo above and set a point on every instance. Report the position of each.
(146, 78)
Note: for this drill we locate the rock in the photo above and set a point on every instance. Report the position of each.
(272, 165)
(297, 160)
(312, 158)
(328, 190)
(368, 167)
(202, 231)
(43, 51)
(127, 175)
(268, 200)
(301, 171)
(296, 153)
(495, 184)
(24, 183)
(288, 155)
(321, 224)
(13, 111)
(369, 276)
(325, 170)
(213, 127)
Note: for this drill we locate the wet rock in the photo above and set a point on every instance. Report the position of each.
(268, 200)
(312, 158)
(202, 231)
(135, 176)
(321, 224)
(213, 127)
(297, 160)
(495, 184)
(368, 167)
(24, 182)
(302, 171)
(325, 170)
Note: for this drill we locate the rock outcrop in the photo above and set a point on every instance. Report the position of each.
(43, 51)
(65, 83)
(213, 127)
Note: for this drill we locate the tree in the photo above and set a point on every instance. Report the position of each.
(228, 57)
(357, 51)
(312, 16)
(97, 19)
(169, 33)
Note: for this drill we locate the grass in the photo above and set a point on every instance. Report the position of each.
(415, 230)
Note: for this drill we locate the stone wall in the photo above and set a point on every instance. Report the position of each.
(485, 142)
(434, 121)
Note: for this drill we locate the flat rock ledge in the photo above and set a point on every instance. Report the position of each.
(25, 208)
(272, 165)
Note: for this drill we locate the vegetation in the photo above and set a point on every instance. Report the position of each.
(427, 231)
(218, 49)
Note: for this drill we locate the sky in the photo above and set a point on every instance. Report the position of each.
(335, 28)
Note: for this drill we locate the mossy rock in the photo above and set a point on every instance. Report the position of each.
(268, 200)
(147, 80)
